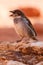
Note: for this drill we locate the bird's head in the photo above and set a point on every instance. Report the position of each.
(17, 13)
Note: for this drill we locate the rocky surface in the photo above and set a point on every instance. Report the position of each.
(22, 53)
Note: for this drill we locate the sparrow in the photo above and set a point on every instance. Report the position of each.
(23, 25)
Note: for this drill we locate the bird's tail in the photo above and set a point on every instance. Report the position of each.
(34, 38)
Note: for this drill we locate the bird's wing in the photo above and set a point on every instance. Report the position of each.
(30, 27)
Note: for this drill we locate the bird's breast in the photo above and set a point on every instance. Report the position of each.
(21, 29)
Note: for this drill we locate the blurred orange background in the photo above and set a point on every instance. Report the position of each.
(33, 9)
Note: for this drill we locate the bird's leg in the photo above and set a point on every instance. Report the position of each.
(25, 39)
(19, 40)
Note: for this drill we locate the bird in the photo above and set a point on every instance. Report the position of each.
(23, 26)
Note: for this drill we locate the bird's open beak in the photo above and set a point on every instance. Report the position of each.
(12, 13)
